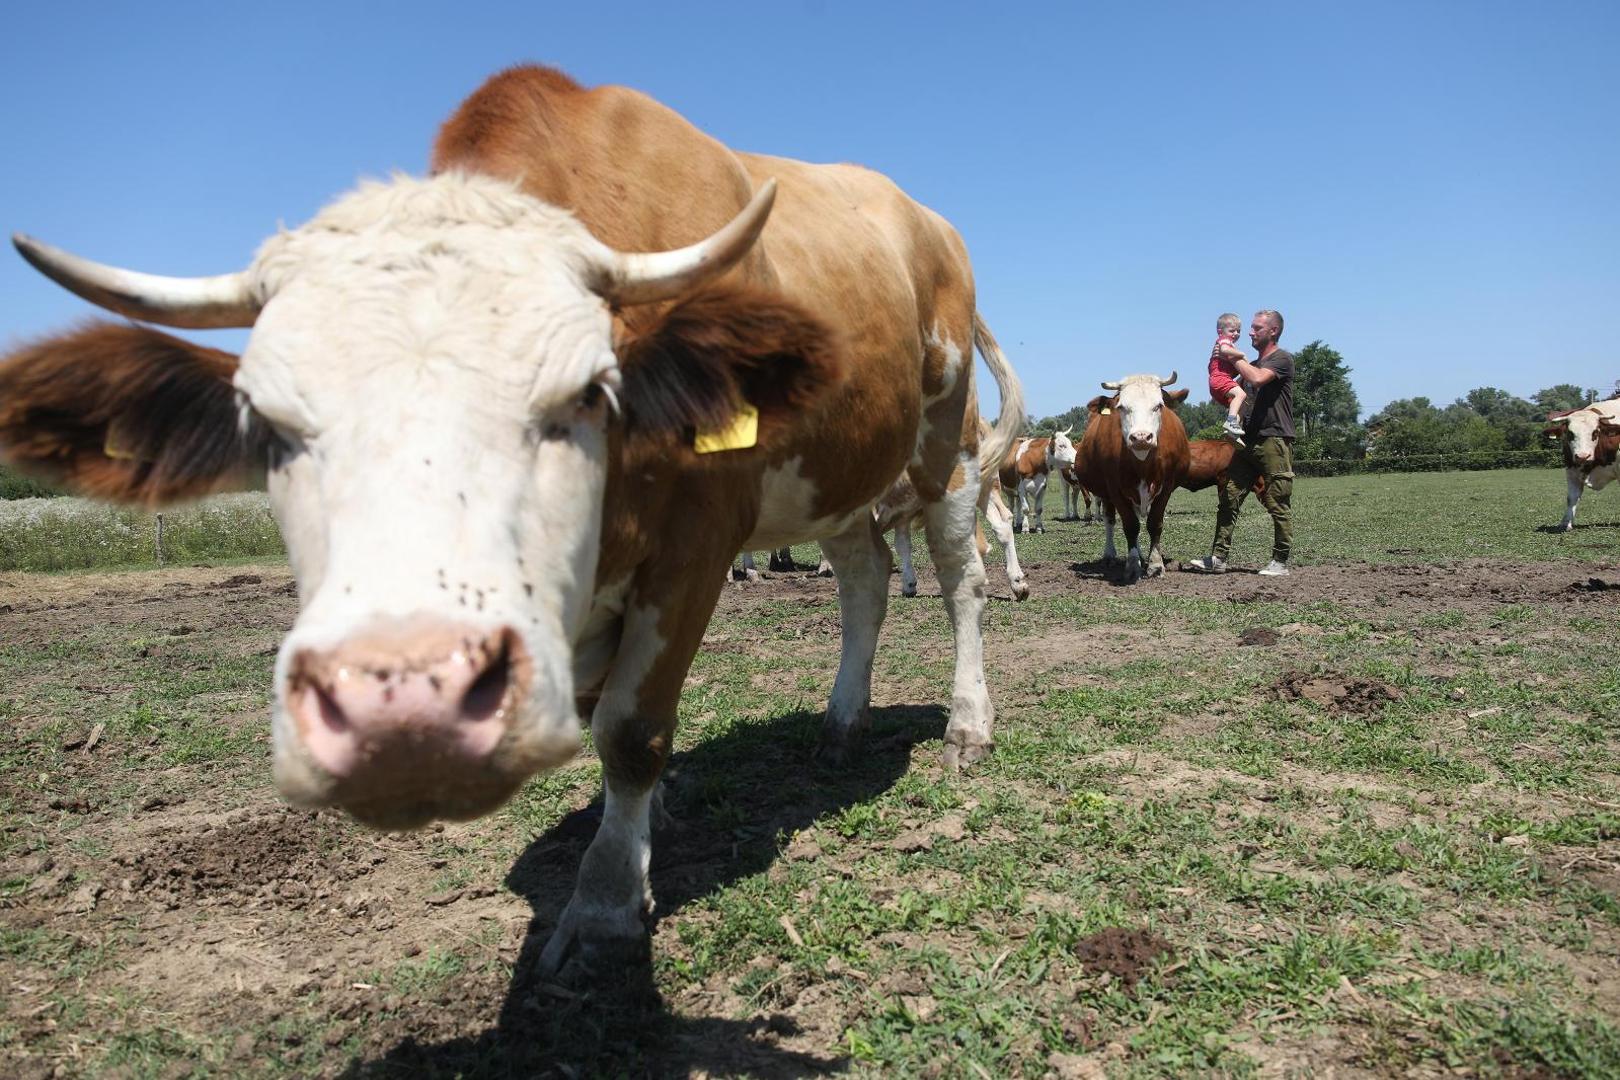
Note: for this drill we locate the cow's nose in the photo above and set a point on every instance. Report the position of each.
(419, 694)
(1141, 438)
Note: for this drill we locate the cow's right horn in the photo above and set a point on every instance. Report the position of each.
(1171, 381)
(1110, 386)
(645, 277)
(201, 303)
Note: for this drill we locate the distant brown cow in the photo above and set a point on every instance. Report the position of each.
(1591, 444)
(1133, 455)
(1024, 472)
(1208, 460)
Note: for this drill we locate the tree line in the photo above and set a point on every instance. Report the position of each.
(1484, 427)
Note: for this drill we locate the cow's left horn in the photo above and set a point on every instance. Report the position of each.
(1171, 381)
(200, 303)
(1110, 386)
(645, 277)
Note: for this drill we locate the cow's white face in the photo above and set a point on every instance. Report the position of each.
(1582, 432)
(1141, 404)
(438, 378)
(1063, 452)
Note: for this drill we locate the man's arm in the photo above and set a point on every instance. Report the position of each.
(1254, 375)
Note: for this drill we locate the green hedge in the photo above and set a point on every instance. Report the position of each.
(1402, 463)
(14, 485)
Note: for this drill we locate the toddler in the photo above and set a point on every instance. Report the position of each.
(1224, 385)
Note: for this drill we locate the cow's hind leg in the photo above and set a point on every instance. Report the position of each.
(860, 561)
(951, 526)
(902, 548)
(995, 511)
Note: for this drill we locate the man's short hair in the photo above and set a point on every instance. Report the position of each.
(1276, 319)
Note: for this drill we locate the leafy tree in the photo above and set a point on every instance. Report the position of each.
(1563, 396)
(1323, 396)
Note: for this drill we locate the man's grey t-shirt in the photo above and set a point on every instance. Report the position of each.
(1271, 410)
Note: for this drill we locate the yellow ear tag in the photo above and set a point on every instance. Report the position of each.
(740, 434)
(113, 450)
(1105, 412)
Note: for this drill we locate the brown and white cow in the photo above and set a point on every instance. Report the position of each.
(899, 509)
(1024, 472)
(517, 419)
(1074, 493)
(1133, 455)
(1591, 439)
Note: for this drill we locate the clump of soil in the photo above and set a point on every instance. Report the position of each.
(1125, 954)
(288, 857)
(1358, 697)
(1258, 635)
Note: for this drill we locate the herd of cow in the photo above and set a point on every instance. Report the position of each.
(515, 419)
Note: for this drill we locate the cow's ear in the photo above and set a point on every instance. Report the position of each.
(715, 361)
(124, 412)
(1173, 398)
(1098, 404)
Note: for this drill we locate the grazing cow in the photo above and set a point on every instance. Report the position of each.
(1590, 437)
(899, 508)
(518, 417)
(1207, 462)
(1133, 455)
(1024, 472)
(1073, 493)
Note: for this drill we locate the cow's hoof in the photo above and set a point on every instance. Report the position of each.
(840, 736)
(1155, 569)
(824, 570)
(580, 954)
(908, 590)
(957, 757)
(1020, 590)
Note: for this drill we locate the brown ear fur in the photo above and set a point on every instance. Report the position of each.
(1101, 402)
(1173, 398)
(689, 372)
(123, 412)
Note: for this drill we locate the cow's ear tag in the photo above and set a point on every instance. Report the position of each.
(111, 448)
(740, 434)
(1105, 412)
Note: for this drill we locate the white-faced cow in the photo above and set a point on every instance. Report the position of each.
(1074, 493)
(1133, 455)
(518, 418)
(900, 508)
(1590, 438)
(1024, 472)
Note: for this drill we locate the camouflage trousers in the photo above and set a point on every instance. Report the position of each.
(1272, 458)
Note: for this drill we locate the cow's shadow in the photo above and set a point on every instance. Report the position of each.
(730, 799)
(1113, 573)
(1580, 526)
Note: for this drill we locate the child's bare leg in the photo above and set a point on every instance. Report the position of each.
(1234, 404)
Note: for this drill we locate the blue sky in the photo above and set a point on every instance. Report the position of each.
(1430, 188)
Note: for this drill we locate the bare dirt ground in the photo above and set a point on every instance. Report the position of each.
(165, 913)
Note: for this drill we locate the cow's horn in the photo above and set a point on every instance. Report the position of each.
(1171, 381)
(644, 277)
(199, 303)
(1110, 386)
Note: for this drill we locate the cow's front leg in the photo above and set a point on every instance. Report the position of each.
(1133, 543)
(902, 547)
(1577, 484)
(604, 925)
(1016, 505)
(1155, 526)
(1038, 488)
(860, 562)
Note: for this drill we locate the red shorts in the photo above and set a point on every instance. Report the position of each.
(1221, 382)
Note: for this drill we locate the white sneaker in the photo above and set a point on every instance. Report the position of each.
(1233, 429)
(1209, 564)
(1274, 569)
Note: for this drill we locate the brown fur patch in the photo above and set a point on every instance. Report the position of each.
(123, 412)
(517, 98)
(722, 347)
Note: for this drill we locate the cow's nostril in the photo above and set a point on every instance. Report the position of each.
(331, 713)
(485, 696)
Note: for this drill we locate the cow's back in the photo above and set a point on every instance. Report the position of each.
(888, 276)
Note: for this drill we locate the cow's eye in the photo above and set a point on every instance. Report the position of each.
(591, 396)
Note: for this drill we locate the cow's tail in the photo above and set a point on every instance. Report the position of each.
(1010, 423)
